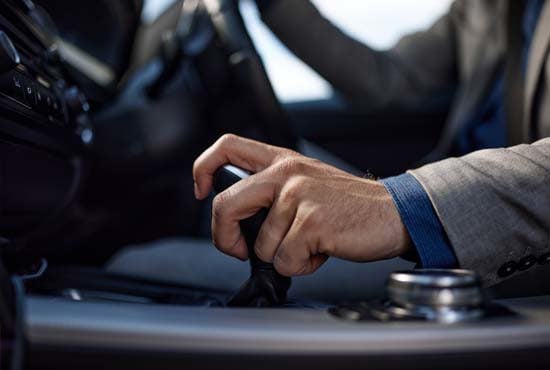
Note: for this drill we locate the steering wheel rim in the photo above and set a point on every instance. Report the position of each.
(231, 30)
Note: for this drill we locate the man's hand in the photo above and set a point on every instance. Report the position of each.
(316, 210)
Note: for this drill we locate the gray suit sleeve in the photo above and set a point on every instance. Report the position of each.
(494, 205)
(417, 72)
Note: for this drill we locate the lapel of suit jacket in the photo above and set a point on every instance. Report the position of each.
(537, 53)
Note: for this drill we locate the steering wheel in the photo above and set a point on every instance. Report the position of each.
(231, 30)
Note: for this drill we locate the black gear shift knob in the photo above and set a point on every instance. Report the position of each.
(265, 287)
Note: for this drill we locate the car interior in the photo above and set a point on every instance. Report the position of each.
(107, 261)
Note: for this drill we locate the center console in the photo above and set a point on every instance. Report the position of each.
(91, 334)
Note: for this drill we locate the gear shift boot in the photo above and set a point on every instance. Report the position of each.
(265, 287)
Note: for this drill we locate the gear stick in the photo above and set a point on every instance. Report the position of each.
(265, 287)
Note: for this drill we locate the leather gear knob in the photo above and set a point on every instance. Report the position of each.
(265, 287)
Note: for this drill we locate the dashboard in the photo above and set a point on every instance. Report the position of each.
(44, 125)
(81, 28)
(64, 109)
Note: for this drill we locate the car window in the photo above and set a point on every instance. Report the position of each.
(379, 23)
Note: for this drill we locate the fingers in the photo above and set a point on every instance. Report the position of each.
(248, 154)
(274, 229)
(239, 202)
(294, 256)
(278, 241)
(316, 261)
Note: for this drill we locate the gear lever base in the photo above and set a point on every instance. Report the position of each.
(265, 287)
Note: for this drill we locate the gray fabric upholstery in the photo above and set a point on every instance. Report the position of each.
(196, 262)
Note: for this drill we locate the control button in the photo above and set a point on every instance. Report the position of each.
(9, 57)
(41, 100)
(48, 102)
(446, 296)
(15, 90)
(76, 102)
(526, 263)
(507, 269)
(544, 259)
(17, 82)
(29, 91)
(87, 136)
(57, 107)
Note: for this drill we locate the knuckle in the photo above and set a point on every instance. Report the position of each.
(282, 264)
(288, 266)
(219, 205)
(293, 189)
(306, 221)
(264, 235)
(284, 153)
(289, 165)
(227, 140)
(313, 219)
(299, 182)
(288, 195)
(262, 254)
(326, 247)
(282, 257)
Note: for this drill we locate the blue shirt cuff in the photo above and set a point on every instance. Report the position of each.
(418, 215)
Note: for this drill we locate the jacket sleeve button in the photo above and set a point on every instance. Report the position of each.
(526, 263)
(507, 269)
(544, 259)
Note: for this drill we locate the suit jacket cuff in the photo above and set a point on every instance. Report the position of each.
(432, 245)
